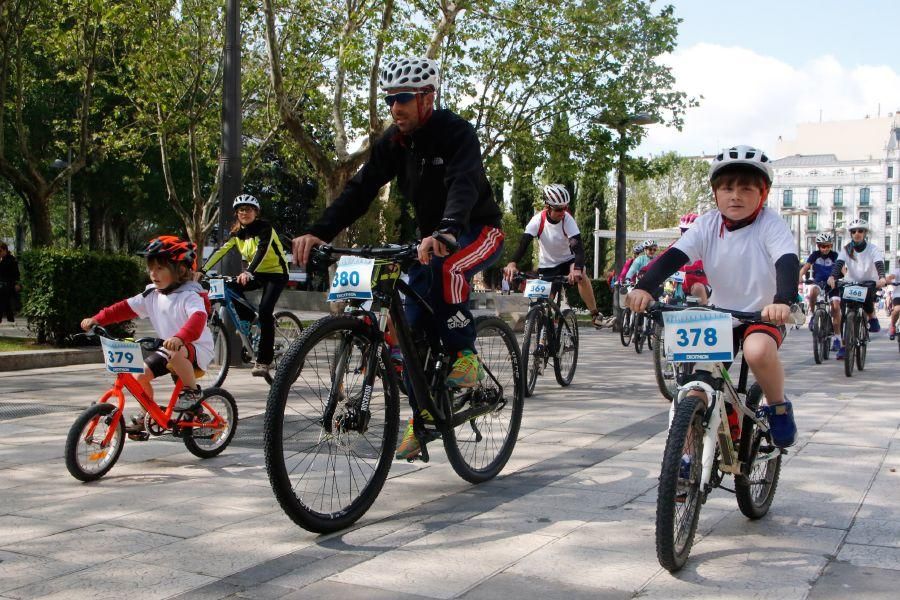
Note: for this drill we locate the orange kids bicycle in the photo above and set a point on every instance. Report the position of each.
(97, 437)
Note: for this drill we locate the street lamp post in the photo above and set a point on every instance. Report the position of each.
(59, 165)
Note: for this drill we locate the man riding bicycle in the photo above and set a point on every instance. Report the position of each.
(561, 250)
(435, 156)
(821, 262)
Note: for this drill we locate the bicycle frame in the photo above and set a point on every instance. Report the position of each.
(243, 328)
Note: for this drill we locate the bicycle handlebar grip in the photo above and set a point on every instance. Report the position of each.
(451, 246)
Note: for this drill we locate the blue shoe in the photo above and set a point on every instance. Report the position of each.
(841, 353)
(781, 423)
(874, 325)
(835, 345)
(810, 325)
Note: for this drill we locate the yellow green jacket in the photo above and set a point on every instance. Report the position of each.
(259, 246)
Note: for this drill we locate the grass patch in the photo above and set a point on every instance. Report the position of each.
(15, 344)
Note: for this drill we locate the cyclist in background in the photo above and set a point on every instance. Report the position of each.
(267, 270)
(561, 250)
(695, 282)
(642, 261)
(821, 261)
(636, 251)
(894, 280)
(864, 262)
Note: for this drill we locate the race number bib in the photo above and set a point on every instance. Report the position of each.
(537, 288)
(352, 279)
(678, 277)
(856, 293)
(698, 336)
(122, 357)
(216, 289)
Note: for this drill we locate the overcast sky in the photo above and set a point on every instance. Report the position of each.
(763, 66)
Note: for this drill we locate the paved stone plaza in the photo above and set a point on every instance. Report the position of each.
(572, 516)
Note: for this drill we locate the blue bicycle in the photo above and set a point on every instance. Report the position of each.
(287, 328)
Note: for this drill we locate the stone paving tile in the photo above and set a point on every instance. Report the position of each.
(333, 589)
(14, 529)
(875, 532)
(842, 580)
(871, 556)
(113, 580)
(446, 563)
(505, 585)
(18, 570)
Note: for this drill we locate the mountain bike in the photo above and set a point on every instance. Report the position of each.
(642, 332)
(669, 374)
(229, 305)
(823, 329)
(712, 436)
(97, 436)
(855, 323)
(549, 331)
(333, 416)
(626, 329)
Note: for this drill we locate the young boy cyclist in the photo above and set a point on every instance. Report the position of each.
(864, 261)
(821, 261)
(561, 250)
(267, 270)
(177, 310)
(750, 260)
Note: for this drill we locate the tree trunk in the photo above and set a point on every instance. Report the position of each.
(39, 218)
(78, 200)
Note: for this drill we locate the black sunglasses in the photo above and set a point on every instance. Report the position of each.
(857, 231)
(401, 97)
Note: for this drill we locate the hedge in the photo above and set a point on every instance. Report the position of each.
(601, 292)
(61, 287)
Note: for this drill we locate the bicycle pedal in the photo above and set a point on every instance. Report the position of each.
(139, 436)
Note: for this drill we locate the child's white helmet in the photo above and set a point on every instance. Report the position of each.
(742, 155)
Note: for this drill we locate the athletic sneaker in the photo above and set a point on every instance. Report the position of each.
(874, 325)
(409, 447)
(835, 345)
(188, 399)
(841, 353)
(811, 324)
(260, 369)
(467, 371)
(781, 423)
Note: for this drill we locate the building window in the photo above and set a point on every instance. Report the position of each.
(889, 197)
(787, 198)
(838, 219)
(812, 198)
(812, 220)
(838, 197)
(887, 243)
(839, 241)
(890, 172)
(887, 216)
(864, 216)
(863, 196)
(887, 266)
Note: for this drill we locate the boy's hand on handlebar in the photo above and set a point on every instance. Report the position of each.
(432, 245)
(174, 343)
(638, 300)
(301, 247)
(776, 314)
(509, 271)
(86, 324)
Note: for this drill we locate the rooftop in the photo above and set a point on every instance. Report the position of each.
(858, 139)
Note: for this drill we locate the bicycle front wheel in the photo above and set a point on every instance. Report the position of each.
(662, 368)
(533, 347)
(217, 369)
(849, 342)
(627, 328)
(326, 457)
(862, 341)
(566, 358)
(87, 459)
(762, 460)
(480, 447)
(287, 329)
(819, 337)
(639, 332)
(220, 412)
(679, 494)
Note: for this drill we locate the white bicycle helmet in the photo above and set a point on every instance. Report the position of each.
(556, 195)
(411, 72)
(858, 224)
(742, 155)
(638, 248)
(825, 238)
(245, 200)
(648, 244)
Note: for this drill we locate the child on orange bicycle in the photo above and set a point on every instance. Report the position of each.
(178, 312)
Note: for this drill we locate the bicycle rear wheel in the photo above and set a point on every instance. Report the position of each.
(534, 350)
(755, 490)
(849, 342)
(679, 494)
(86, 458)
(820, 339)
(326, 463)
(639, 332)
(862, 340)
(287, 329)
(566, 358)
(662, 368)
(480, 447)
(627, 329)
(207, 442)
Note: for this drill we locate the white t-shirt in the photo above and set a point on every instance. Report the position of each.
(169, 312)
(740, 264)
(553, 243)
(862, 266)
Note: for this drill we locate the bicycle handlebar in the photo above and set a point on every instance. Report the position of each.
(522, 276)
(745, 317)
(148, 343)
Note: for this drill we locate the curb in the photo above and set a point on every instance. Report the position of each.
(42, 359)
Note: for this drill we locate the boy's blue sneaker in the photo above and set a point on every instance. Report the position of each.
(781, 423)
(835, 345)
(811, 324)
(874, 325)
(841, 353)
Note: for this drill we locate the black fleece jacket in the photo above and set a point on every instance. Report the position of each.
(438, 170)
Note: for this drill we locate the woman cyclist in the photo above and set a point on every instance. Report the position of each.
(267, 270)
